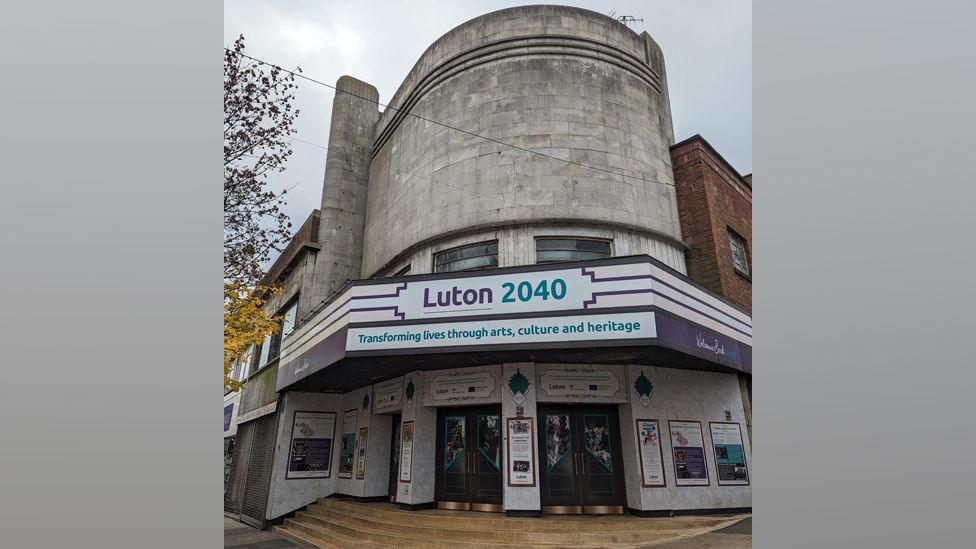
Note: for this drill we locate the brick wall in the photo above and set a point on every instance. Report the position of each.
(713, 198)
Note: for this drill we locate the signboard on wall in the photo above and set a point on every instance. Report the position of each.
(688, 453)
(388, 396)
(521, 451)
(651, 453)
(310, 452)
(228, 414)
(406, 451)
(347, 448)
(581, 384)
(464, 385)
(730, 456)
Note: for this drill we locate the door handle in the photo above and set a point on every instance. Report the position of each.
(582, 464)
(575, 467)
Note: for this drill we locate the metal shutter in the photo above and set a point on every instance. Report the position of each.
(258, 470)
(238, 467)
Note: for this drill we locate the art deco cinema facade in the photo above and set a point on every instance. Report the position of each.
(504, 328)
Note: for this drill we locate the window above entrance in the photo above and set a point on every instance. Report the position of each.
(473, 257)
(552, 250)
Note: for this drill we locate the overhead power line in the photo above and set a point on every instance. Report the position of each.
(466, 132)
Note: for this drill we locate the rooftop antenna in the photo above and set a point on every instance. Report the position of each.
(627, 19)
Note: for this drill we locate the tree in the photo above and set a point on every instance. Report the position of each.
(258, 121)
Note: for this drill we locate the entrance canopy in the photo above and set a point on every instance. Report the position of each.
(624, 310)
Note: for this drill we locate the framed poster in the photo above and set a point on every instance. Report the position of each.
(406, 451)
(651, 453)
(310, 452)
(730, 455)
(347, 448)
(521, 451)
(361, 455)
(688, 453)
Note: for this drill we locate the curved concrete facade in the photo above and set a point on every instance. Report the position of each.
(566, 82)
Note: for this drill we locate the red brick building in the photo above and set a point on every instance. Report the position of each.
(715, 209)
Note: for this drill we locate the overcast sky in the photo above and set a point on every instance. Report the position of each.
(707, 51)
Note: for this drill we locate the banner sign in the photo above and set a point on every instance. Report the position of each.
(228, 414)
(388, 396)
(310, 454)
(531, 306)
(651, 454)
(521, 451)
(638, 325)
(347, 450)
(688, 452)
(730, 456)
(406, 451)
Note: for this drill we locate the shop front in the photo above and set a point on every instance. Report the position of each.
(595, 387)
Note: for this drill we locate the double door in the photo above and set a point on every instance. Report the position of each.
(582, 469)
(469, 458)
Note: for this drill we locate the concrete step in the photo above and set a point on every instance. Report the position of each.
(333, 522)
(468, 520)
(301, 538)
(457, 530)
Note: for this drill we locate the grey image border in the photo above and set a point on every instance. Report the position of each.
(862, 254)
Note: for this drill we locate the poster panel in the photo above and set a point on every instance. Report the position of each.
(490, 440)
(388, 396)
(730, 456)
(406, 451)
(347, 448)
(521, 451)
(361, 457)
(455, 440)
(688, 452)
(651, 453)
(310, 453)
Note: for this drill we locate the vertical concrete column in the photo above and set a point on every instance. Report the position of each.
(343, 211)
(520, 500)
(378, 455)
(420, 489)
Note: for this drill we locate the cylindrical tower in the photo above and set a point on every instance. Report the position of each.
(575, 85)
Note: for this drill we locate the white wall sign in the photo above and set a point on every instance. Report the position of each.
(688, 452)
(651, 455)
(579, 384)
(406, 451)
(506, 331)
(551, 290)
(388, 396)
(460, 386)
(521, 446)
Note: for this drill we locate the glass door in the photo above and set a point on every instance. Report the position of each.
(582, 470)
(469, 459)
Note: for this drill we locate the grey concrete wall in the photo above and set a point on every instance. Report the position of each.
(683, 395)
(420, 489)
(520, 498)
(596, 95)
(345, 188)
(516, 246)
(286, 495)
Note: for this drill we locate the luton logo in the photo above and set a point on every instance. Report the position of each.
(644, 388)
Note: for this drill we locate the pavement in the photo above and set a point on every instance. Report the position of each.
(242, 536)
(738, 536)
